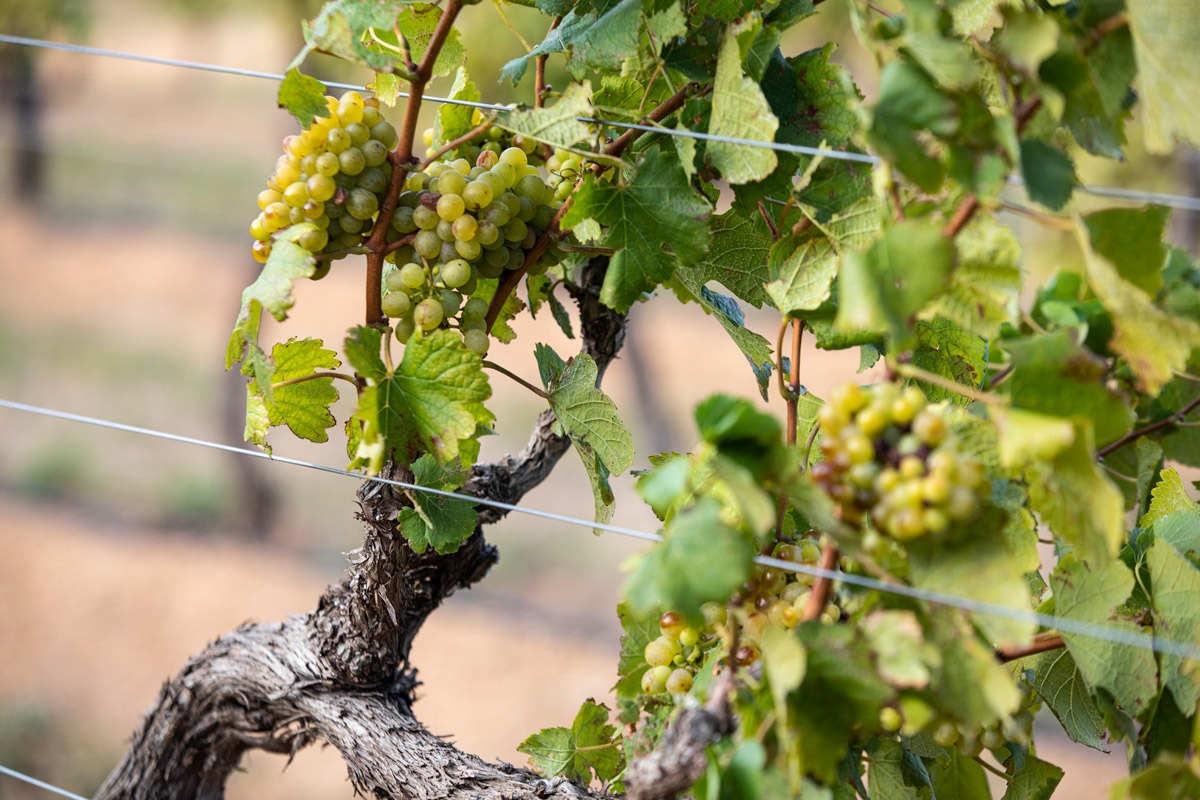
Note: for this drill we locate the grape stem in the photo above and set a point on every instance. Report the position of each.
(446, 148)
(315, 377)
(401, 159)
(991, 769)
(1165, 422)
(822, 586)
(661, 112)
(916, 373)
(332, 254)
(401, 242)
(1043, 643)
(494, 366)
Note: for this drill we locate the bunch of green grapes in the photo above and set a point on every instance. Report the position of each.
(772, 598)
(332, 175)
(494, 140)
(890, 457)
(464, 223)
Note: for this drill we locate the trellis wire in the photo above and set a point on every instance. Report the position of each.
(1180, 202)
(1103, 632)
(49, 787)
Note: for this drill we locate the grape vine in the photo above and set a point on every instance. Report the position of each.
(1013, 407)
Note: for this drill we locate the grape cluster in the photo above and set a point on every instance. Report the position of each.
(771, 598)
(464, 223)
(332, 175)
(890, 457)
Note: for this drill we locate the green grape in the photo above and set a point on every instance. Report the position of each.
(497, 214)
(392, 282)
(470, 250)
(486, 233)
(425, 218)
(650, 683)
(337, 140)
(680, 682)
(428, 314)
(451, 301)
(321, 188)
(260, 229)
(374, 179)
(445, 231)
(514, 156)
(475, 307)
(671, 624)
(371, 116)
(405, 329)
(689, 637)
(507, 173)
(467, 324)
(487, 159)
(661, 651)
(515, 230)
(386, 134)
(477, 341)
(268, 196)
(451, 182)
(374, 152)
(413, 276)
(427, 244)
(402, 220)
(352, 161)
(455, 273)
(396, 304)
(450, 206)
(362, 204)
(449, 252)
(530, 187)
(296, 216)
(359, 133)
(890, 719)
(465, 227)
(946, 734)
(352, 224)
(477, 195)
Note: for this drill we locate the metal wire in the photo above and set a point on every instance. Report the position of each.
(1180, 202)
(12, 773)
(1103, 632)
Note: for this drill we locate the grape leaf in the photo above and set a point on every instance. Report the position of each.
(1153, 342)
(1089, 594)
(986, 280)
(609, 40)
(1027, 39)
(1167, 497)
(1165, 34)
(638, 631)
(885, 773)
(1048, 172)
(739, 110)
(1077, 501)
(883, 288)
(903, 657)
(908, 104)
(726, 311)
(945, 349)
(304, 406)
(303, 96)
(340, 30)
(619, 96)
(1176, 585)
(433, 403)
(702, 559)
(435, 521)
(655, 221)
(589, 745)
(737, 257)
(804, 265)
(1033, 779)
(556, 125)
(1132, 241)
(362, 351)
(589, 417)
(972, 686)
(454, 120)
(573, 26)
(1056, 678)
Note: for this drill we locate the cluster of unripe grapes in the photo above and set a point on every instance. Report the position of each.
(463, 223)
(772, 598)
(332, 175)
(890, 457)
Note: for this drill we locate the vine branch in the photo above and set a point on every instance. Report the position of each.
(1174, 419)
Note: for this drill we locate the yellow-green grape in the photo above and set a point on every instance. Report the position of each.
(396, 304)
(890, 719)
(679, 682)
(428, 314)
(261, 251)
(946, 734)
(477, 341)
(661, 651)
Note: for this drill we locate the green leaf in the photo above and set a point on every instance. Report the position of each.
(442, 523)
(589, 417)
(1027, 39)
(609, 40)
(908, 104)
(302, 96)
(1048, 172)
(740, 111)
(973, 686)
(1169, 776)
(981, 568)
(590, 745)
(1132, 241)
(737, 257)
(1089, 594)
(303, 407)
(638, 631)
(803, 266)
(1176, 586)
(784, 662)
(556, 125)
(986, 280)
(885, 773)
(362, 348)
(573, 27)
(1077, 501)
(945, 349)
(903, 657)
(1027, 437)
(702, 559)
(432, 403)
(272, 290)
(1167, 497)
(655, 221)
(726, 311)
(885, 286)
(1165, 33)
(340, 27)
(619, 95)
(454, 120)
(1153, 342)
(1056, 678)
(1033, 779)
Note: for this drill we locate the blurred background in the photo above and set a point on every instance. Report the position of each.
(126, 190)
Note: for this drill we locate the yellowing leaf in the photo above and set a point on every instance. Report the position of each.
(740, 111)
(1165, 33)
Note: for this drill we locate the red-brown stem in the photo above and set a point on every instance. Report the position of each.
(510, 279)
(539, 84)
(822, 586)
(766, 218)
(661, 112)
(401, 242)
(962, 215)
(448, 146)
(401, 164)
(1039, 645)
(1165, 422)
(793, 398)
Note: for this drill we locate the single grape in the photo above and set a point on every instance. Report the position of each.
(385, 133)
(661, 651)
(455, 273)
(468, 249)
(451, 182)
(268, 196)
(477, 195)
(396, 304)
(313, 240)
(475, 307)
(450, 207)
(413, 276)
(362, 204)
(405, 329)
(352, 161)
(374, 179)
(427, 244)
(337, 140)
(321, 188)
(515, 156)
(445, 231)
(402, 220)
(477, 341)
(680, 682)
(428, 314)
(261, 251)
